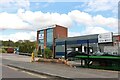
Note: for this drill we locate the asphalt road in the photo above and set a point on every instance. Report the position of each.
(10, 72)
(57, 69)
(15, 57)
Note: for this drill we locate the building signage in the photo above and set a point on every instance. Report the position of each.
(41, 36)
(76, 49)
(105, 37)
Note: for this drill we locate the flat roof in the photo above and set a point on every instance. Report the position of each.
(83, 37)
(51, 26)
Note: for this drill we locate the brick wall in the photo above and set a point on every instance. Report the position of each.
(61, 32)
(45, 39)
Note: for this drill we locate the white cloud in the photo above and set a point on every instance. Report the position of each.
(40, 19)
(81, 17)
(36, 20)
(14, 4)
(5, 1)
(101, 5)
(12, 21)
(88, 30)
(94, 30)
(92, 21)
(19, 36)
(29, 20)
(72, 34)
(102, 21)
(32, 20)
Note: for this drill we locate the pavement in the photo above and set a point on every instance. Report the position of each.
(16, 57)
(61, 70)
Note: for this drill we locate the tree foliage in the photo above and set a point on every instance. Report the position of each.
(8, 43)
(25, 46)
(48, 53)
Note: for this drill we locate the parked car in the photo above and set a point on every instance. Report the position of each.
(72, 54)
(10, 50)
(110, 54)
(76, 53)
(98, 53)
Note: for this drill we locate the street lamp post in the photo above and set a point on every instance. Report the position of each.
(65, 50)
(88, 52)
(54, 47)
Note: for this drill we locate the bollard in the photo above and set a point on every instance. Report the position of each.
(32, 57)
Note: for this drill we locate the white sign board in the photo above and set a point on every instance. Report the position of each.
(105, 37)
(83, 50)
(41, 36)
(76, 49)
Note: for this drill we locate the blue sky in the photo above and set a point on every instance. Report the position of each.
(21, 19)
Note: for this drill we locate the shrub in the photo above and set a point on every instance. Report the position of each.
(39, 52)
(3, 51)
(48, 53)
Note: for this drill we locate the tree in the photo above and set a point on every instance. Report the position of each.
(48, 53)
(8, 43)
(25, 46)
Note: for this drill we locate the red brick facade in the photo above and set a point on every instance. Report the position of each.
(60, 32)
(45, 39)
(116, 40)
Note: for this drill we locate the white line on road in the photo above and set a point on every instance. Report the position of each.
(40, 76)
(11, 67)
(33, 74)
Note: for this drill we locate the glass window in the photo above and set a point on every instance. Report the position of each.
(49, 38)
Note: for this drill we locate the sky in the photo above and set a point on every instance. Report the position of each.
(20, 19)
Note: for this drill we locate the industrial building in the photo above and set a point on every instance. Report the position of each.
(56, 38)
(105, 42)
(79, 43)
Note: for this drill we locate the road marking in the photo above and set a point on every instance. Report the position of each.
(11, 67)
(33, 74)
(40, 76)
